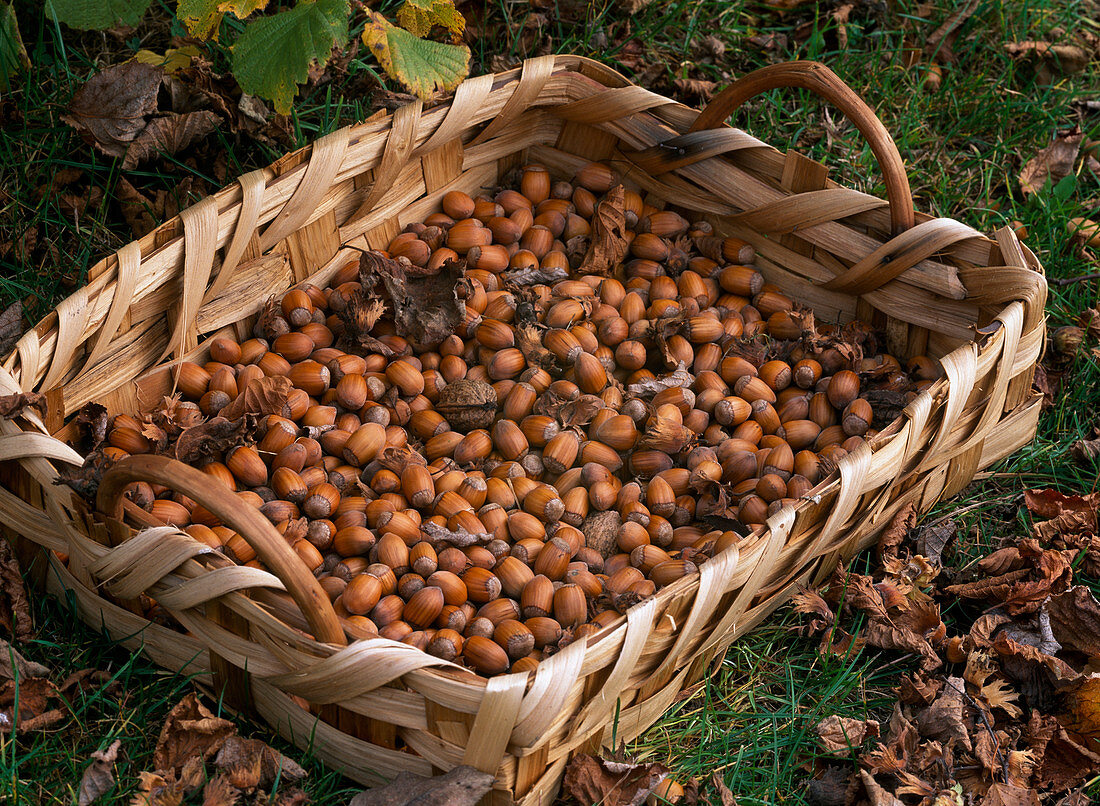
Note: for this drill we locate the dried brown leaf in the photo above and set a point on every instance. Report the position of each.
(99, 776)
(919, 688)
(110, 109)
(137, 209)
(220, 792)
(11, 327)
(169, 135)
(725, 797)
(1067, 60)
(190, 731)
(14, 405)
(839, 735)
(13, 665)
(214, 437)
(426, 308)
(250, 763)
(609, 245)
(1075, 619)
(1053, 163)
(461, 786)
(25, 705)
(1086, 450)
(15, 612)
(913, 630)
(896, 531)
(695, 89)
(1000, 794)
(944, 719)
(1064, 760)
(262, 396)
(156, 790)
(1083, 706)
(876, 794)
(940, 42)
(590, 779)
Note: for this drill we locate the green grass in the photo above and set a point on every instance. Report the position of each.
(964, 144)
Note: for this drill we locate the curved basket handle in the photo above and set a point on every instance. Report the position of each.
(822, 81)
(246, 520)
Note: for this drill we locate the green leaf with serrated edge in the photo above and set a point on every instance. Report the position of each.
(202, 17)
(91, 15)
(422, 66)
(13, 56)
(273, 55)
(418, 17)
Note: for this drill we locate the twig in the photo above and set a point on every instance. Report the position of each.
(1080, 278)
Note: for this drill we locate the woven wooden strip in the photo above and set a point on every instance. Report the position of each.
(685, 149)
(499, 708)
(469, 97)
(399, 148)
(320, 172)
(214, 584)
(40, 446)
(601, 707)
(72, 316)
(534, 75)
(200, 224)
(548, 693)
(252, 196)
(375, 662)
(129, 263)
(808, 209)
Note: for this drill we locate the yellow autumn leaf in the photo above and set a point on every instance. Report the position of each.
(242, 8)
(422, 66)
(201, 17)
(173, 60)
(418, 16)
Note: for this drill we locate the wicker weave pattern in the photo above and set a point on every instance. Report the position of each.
(384, 706)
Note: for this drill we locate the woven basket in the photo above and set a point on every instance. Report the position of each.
(375, 707)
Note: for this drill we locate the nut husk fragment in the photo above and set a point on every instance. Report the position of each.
(468, 405)
(601, 532)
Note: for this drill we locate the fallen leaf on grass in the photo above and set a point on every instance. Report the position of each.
(15, 611)
(941, 41)
(1075, 620)
(1086, 450)
(1023, 577)
(944, 718)
(590, 779)
(695, 89)
(13, 665)
(461, 786)
(839, 735)
(725, 797)
(11, 327)
(1053, 163)
(1066, 60)
(190, 730)
(169, 135)
(896, 531)
(99, 776)
(26, 705)
(1000, 794)
(250, 763)
(110, 108)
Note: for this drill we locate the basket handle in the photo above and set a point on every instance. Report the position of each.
(257, 531)
(822, 81)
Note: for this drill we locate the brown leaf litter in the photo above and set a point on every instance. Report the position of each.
(1005, 709)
